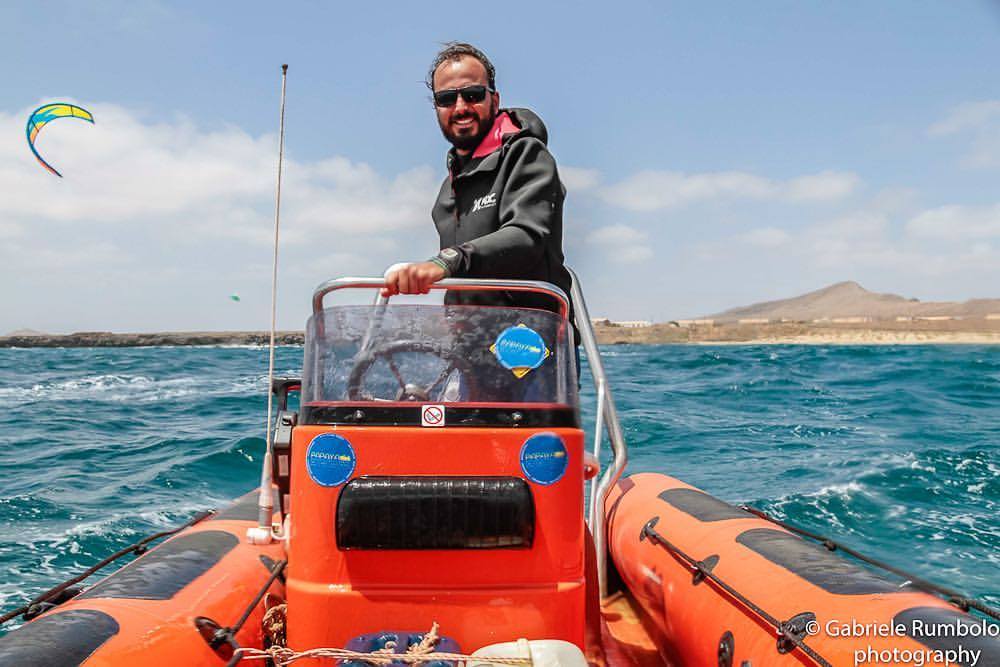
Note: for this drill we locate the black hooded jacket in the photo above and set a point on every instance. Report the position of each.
(499, 212)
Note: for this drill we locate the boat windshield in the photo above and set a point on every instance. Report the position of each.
(438, 354)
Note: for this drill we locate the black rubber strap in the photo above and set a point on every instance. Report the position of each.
(954, 597)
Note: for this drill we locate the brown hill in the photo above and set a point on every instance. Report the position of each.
(849, 299)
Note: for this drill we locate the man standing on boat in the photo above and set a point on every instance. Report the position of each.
(499, 211)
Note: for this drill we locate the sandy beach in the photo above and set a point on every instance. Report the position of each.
(968, 332)
(872, 338)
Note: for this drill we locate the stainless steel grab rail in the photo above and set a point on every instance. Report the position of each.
(610, 416)
(455, 284)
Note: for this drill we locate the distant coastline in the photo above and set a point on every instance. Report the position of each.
(796, 333)
(169, 338)
(788, 333)
(844, 313)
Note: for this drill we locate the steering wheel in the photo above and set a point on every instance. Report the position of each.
(408, 391)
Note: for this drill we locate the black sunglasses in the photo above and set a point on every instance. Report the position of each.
(471, 95)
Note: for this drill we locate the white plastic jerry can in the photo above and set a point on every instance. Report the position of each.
(543, 653)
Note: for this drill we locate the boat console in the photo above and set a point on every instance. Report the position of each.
(435, 471)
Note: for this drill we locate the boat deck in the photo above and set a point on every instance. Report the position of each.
(626, 636)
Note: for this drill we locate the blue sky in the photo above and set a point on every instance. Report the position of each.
(715, 153)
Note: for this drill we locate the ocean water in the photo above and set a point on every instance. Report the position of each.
(894, 451)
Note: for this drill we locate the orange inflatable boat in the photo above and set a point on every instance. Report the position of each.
(429, 497)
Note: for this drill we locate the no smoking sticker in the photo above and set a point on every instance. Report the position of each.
(432, 415)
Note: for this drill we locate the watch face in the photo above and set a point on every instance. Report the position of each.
(448, 253)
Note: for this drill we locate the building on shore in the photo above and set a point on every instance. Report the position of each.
(626, 324)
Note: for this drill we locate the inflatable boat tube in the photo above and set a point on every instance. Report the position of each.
(155, 610)
(843, 612)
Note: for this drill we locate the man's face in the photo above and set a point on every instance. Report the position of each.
(464, 124)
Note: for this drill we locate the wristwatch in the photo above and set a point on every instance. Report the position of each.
(448, 259)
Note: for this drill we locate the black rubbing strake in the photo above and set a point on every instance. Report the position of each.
(702, 506)
(167, 569)
(921, 622)
(64, 638)
(814, 563)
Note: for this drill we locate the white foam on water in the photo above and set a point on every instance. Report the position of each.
(965, 463)
(116, 388)
(917, 465)
(105, 387)
(113, 524)
(842, 490)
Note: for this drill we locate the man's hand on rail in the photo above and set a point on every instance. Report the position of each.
(412, 278)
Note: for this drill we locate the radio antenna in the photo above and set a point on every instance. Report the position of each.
(262, 534)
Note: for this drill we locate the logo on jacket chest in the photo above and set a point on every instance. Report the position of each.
(484, 202)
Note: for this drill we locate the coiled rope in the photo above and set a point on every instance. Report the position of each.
(416, 654)
(286, 656)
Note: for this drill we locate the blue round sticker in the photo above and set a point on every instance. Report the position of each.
(520, 349)
(544, 458)
(330, 459)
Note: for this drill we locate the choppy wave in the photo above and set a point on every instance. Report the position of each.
(891, 450)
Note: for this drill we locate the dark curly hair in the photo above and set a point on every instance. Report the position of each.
(454, 51)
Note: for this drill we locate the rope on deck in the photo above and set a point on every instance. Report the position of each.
(285, 656)
(418, 653)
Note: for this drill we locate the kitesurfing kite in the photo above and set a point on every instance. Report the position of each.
(46, 113)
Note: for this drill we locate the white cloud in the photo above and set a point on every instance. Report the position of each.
(868, 241)
(218, 182)
(980, 121)
(151, 209)
(767, 237)
(893, 200)
(657, 190)
(10, 230)
(860, 224)
(615, 235)
(634, 254)
(578, 179)
(968, 116)
(824, 186)
(621, 244)
(956, 223)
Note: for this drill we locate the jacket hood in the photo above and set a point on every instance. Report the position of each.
(510, 123)
(530, 124)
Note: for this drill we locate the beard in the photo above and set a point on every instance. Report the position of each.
(464, 139)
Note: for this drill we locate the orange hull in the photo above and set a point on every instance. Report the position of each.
(144, 614)
(775, 570)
